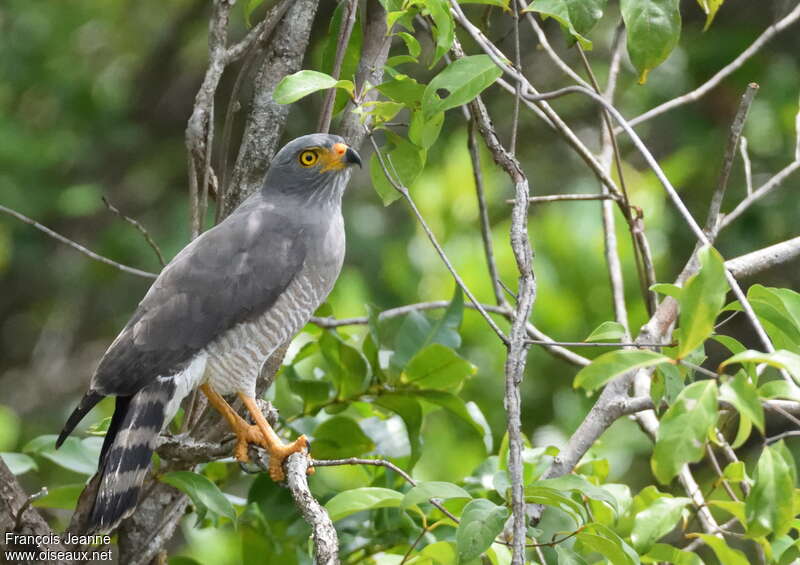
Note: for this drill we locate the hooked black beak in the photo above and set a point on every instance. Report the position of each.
(351, 157)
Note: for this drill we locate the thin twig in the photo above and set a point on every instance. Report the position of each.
(607, 152)
(517, 347)
(748, 168)
(723, 73)
(199, 134)
(345, 30)
(644, 263)
(567, 198)
(712, 222)
(763, 259)
(776, 438)
(545, 44)
(673, 194)
(759, 193)
(153, 245)
(75, 245)
(541, 108)
(326, 541)
(634, 344)
(483, 210)
(512, 145)
(27, 504)
(397, 185)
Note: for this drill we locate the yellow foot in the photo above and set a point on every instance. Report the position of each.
(251, 433)
(279, 453)
(246, 435)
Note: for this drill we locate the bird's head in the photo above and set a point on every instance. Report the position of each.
(310, 164)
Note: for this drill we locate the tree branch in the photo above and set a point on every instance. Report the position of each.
(326, 542)
(712, 223)
(76, 246)
(346, 29)
(723, 73)
(526, 296)
(153, 245)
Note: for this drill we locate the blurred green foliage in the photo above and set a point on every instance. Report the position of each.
(93, 101)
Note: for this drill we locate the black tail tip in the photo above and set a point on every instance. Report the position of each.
(88, 402)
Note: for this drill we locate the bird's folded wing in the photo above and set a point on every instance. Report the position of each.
(229, 274)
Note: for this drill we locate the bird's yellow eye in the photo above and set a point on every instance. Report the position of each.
(308, 158)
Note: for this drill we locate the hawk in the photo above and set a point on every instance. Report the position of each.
(216, 313)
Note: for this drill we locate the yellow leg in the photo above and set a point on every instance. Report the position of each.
(278, 451)
(245, 433)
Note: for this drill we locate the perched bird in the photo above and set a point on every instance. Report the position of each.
(216, 313)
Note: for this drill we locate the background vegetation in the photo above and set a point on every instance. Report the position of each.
(94, 99)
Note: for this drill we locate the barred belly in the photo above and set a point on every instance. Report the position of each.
(235, 358)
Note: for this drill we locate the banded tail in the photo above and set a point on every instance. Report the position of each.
(126, 452)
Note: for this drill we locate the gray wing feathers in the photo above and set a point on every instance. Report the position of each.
(229, 274)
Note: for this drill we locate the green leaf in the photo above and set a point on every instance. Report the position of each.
(742, 394)
(567, 556)
(349, 368)
(607, 331)
(731, 344)
(779, 389)
(453, 404)
(424, 130)
(667, 289)
(64, 497)
(403, 89)
(684, 427)
(710, 7)
(19, 463)
(662, 552)
(548, 496)
(670, 376)
(302, 83)
(780, 359)
(418, 331)
(733, 507)
(443, 29)
(9, 428)
(769, 508)
(404, 161)
(779, 311)
(409, 409)
(724, 553)
(367, 498)
(74, 454)
(615, 363)
(340, 437)
(382, 111)
(608, 544)
(438, 367)
(656, 521)
(577, 17)
(413, 46)
(499, 3)
(426, 490)
(701, 301)
(481, 522)
(438, 553)
(250, 7)
(205, 495)
(352, 53)
(735, 472)
(579, 484)
(654, 27)
(464, 79)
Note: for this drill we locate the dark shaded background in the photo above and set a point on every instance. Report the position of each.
(94, 98)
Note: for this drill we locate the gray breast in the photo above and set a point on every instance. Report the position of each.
(235, 358)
